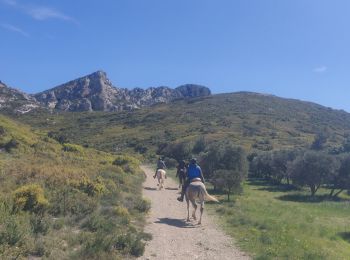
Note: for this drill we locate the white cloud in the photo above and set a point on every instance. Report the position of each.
(43, 13)
(320, 69)
(13, 28)
(40, 13)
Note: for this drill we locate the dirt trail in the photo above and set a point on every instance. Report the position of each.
(173, 237)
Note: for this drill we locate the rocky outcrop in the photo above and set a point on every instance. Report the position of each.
(192, 90)
(95, 92)
(13, 100)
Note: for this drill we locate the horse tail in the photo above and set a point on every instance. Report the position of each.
(207, 196)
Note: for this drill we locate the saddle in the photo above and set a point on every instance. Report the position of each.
(196, 179)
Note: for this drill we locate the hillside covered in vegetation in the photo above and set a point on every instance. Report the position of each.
(64, 201)
(254, 121)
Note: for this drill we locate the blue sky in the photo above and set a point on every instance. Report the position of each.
(290, 48)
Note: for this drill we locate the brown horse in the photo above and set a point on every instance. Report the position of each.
(161, 176)
(196, 191)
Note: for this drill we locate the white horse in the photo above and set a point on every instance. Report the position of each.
(161, 176)
(196, 191)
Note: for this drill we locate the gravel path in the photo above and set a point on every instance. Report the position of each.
(173, 237)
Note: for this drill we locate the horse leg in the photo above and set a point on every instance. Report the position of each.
(159, 184)
(202, 209)
(188, 209)
(194, 209)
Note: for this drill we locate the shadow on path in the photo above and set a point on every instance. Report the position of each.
(171, 188)
(149, 188)
(180, 223)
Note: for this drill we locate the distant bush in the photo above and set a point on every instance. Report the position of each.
(200, 145)
(127, 163)
(2, 130)
(79, 205)
(72, 148)
(11, 232)
(96, 222)
(319, 141)
(122, 160)
(31, 198)
(12, 144)
(263, 145)
(170, 163)
(122, 211)
(58, 137)
(178, 151)
(90, 187)
(39, 224)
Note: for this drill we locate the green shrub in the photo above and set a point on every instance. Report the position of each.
(122, 211)
(94, 245)
(90, 187)
(122, 214)
(2, 130)
(122, 160)
(31, 198)
(72, 148)
(11, 232)
(130, 244)
(96, 223)
(170, 163)
(12, 144)
(80, 204)
(58, 224)
(39, 224)
(39, 248)
(143, 205)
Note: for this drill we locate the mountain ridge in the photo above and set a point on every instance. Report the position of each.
(95, 92)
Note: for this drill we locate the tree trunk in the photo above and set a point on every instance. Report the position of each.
(313, 189)
(335, 195)
(228, 194)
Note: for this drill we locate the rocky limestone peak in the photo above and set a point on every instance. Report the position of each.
(193, 90)
(95, 92)
(90, 92)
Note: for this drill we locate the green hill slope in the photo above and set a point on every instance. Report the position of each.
(63, 200)
(248, 119)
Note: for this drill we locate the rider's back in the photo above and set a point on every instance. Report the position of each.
(194, 171)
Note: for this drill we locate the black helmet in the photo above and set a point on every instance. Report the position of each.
(193, 160)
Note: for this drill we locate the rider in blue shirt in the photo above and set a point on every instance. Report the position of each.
(193, 171)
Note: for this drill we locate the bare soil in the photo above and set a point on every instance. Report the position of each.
(173, 237)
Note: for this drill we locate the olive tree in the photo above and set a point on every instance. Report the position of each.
(341, 180)
(229, 165)
(313, 169)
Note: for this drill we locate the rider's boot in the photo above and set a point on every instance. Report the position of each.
(181, 198)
